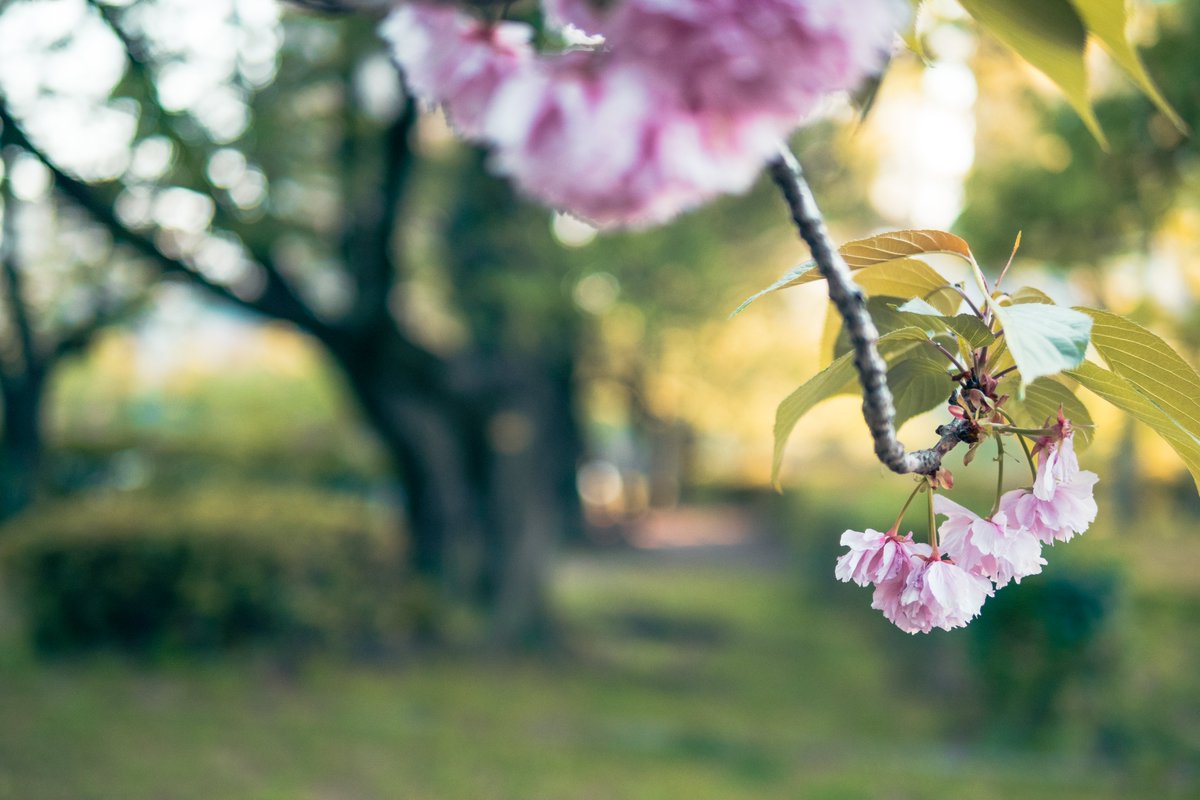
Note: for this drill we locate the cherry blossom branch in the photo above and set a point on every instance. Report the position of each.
(879, 411)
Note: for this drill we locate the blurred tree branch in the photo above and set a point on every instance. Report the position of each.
(275, 298)
(370, 224)
(14, 294)
(369, 221)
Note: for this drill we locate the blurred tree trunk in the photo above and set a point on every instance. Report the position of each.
(532, 451)
(22, 374)
(21, 446)
(490, 463)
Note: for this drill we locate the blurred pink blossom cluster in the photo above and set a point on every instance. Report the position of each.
(919, 587)
(679, 101)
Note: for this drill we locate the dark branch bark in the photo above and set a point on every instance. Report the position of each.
(14, 294)
(878, 409)
(137, 54)
(276, 299)
(371, 222)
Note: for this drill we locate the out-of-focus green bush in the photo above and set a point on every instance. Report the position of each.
(1047, 651)
(209, 569)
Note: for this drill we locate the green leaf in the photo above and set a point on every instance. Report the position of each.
(1028, 294)
(919, 383)
(919, 306)
(825, 384)
(863, 253)
(1000, 358)
(1042, 400)
(903, 278)
(895, 245)
(1043, 339)
(888, 319)
(1149, 363)
(912, 36)
(907, 278)
(1050, 35)
(805, 273)
(968, 326)
(1125, 396)
(830, 333)
(1108, 21)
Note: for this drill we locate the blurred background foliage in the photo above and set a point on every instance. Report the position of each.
(307, 419)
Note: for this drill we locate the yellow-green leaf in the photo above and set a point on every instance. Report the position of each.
(1149, 363)
(912, 35)
(970, 328)
(1028, 294)
(906, 278)
(1125, 396)
(869, 252)
(1042, 400)
(1108, 21)
(825, 384)
(902, 244)
(903, 278)
(830, 332)
(1050, 35)
(887, 318)
(805, 273)
(919, 383)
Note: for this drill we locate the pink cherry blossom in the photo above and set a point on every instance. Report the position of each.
(935, 594)
(455, 60)
(552, 128)
(686, 100)
(1057, 465)
(730, 57)
(1060, 504)
(552, 131)
(876, 557)
(995, 548)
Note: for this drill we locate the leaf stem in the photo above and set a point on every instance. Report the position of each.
(948, 355)
(999, 473)
(967, 297)
(1024, 446)
(896, 525)
(1003, 272)
(988, 303)
(1025, 431)
(1004, 372)
(933, 537)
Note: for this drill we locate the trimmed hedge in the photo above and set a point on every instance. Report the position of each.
(209, 569)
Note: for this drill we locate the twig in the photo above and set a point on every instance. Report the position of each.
(950, 356)
(1004, 372)
(879, 410)
(962, 293)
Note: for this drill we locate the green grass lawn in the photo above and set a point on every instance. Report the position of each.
(682, 678)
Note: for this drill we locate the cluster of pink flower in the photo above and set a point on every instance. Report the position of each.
(680, 101)
(920, 587)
